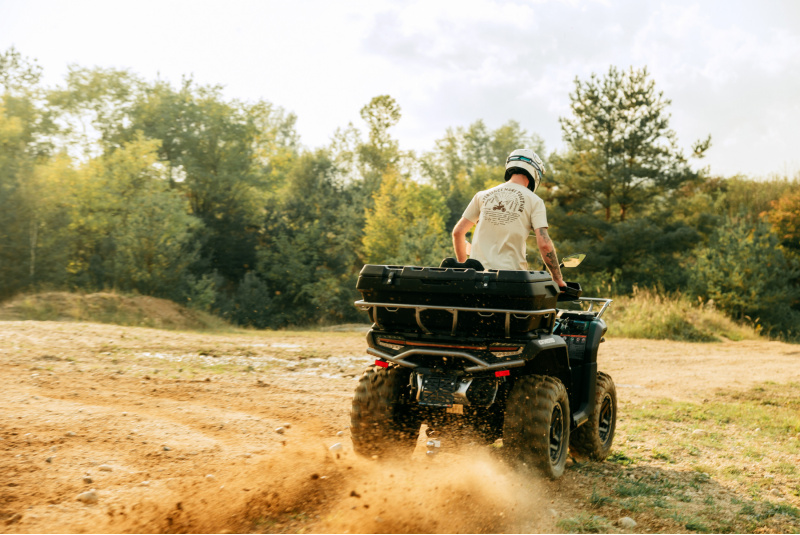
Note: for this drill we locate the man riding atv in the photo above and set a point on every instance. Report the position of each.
(505, 216)
(480, 343)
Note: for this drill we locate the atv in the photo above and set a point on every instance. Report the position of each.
(490, 350)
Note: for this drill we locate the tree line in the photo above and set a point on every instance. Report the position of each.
(110, 181)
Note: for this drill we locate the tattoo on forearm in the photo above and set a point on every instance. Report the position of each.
(552, 264)
(550, 258)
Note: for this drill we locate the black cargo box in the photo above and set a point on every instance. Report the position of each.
(526, 291)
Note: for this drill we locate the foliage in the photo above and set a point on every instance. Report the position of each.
(381, 152)
(406, 225)
(785, 219)
(748, 276)
(249, 305)
(622, 154)
(622, 188)
(129, 231)
(113, 182)
(307, 258)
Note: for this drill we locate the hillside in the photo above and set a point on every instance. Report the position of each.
(107, 307)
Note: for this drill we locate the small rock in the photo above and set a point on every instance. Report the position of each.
(280, 430)
(69, 434)
(775, 492)
(105, 468)
(88, 480)
(167, 448)
(210, 477)
(697, 432)
(340, 434)
(287, 426)
(87, 497)
(336, 447)
(144, 484)
(124, 413)
(626, 522)
(49, 460)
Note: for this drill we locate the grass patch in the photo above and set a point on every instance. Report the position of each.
(621, 458)
(748, 440)
(633, 489)
(747, 412)
(651, 314)
(598, 500)
(585, 523)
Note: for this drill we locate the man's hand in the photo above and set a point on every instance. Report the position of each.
(460, 243)
(548, 252)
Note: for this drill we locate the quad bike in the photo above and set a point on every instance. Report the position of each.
(489, 349)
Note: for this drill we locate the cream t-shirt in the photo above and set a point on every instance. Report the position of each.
(505, 215)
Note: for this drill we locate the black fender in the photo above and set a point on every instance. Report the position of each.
(547, 355)
(594, 335)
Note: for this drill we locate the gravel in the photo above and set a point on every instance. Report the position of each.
(88, 497)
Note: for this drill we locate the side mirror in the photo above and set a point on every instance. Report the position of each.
(573, 260)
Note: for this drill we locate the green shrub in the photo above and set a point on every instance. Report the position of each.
(652, 314)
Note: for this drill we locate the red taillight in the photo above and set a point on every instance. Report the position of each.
(382, 363)
(502, 373)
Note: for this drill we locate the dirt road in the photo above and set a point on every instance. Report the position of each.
(121, 429)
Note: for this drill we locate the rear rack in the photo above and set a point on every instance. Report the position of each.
(479, 365)
(371, 309)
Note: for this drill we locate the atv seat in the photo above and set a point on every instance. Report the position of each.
(471, 263)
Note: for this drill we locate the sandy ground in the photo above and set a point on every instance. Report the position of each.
(185, 432)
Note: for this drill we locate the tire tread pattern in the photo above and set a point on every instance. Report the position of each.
(527, 424)
(380, 424)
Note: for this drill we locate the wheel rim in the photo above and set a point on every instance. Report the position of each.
(556, 434)
(606, 419)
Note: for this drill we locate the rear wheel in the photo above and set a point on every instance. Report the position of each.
(382, 420)
(593, 439)
(536, 428)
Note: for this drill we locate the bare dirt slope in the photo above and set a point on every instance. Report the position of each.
(185, 432)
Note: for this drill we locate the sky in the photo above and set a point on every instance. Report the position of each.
(730, 68)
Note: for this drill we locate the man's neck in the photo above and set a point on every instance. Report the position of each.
(522, 180)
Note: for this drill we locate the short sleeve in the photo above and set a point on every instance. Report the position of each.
(539, 215)
(473, 211)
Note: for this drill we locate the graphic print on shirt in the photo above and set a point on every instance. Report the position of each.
(503, 206)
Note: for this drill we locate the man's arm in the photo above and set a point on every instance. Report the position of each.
(460, 243)
(548, 252)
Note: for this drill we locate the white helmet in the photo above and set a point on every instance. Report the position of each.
(529, 163)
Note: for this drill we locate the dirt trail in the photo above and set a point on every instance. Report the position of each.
(176, 432)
